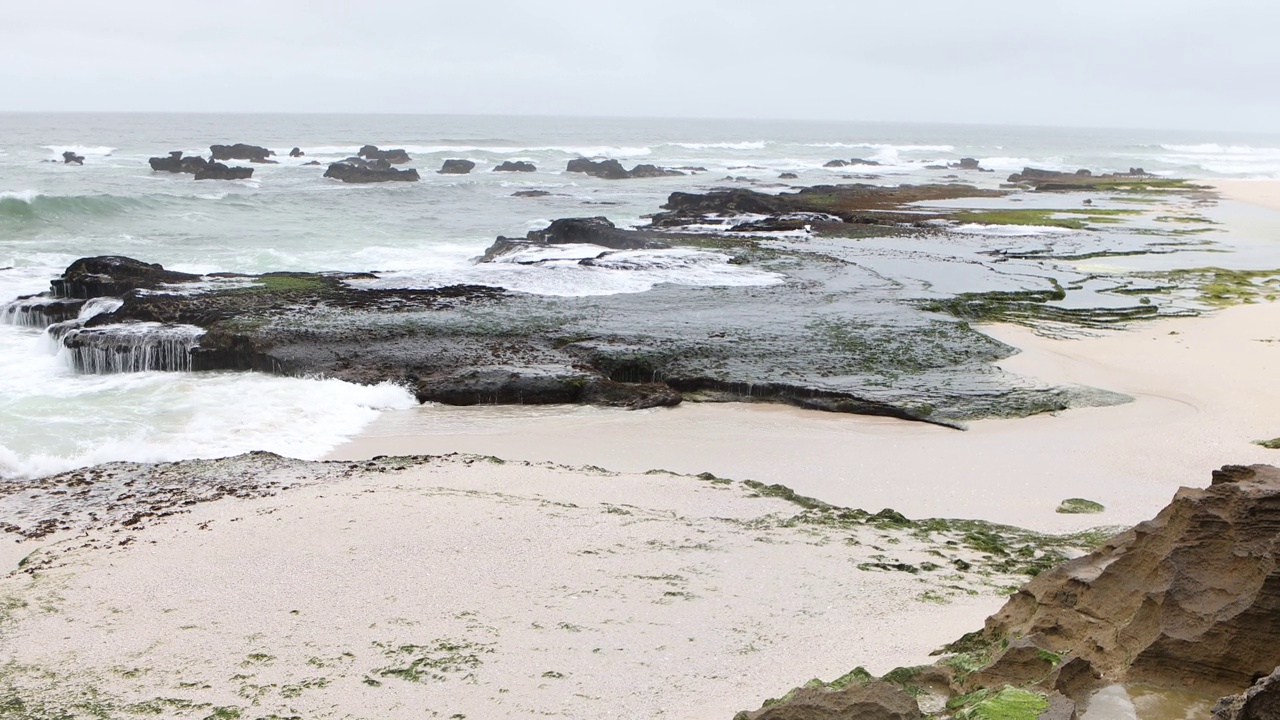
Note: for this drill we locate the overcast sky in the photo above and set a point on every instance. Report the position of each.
(1131, 63)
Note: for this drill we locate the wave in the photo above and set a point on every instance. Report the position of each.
(886, 146)
(194, 416)
(1216, 149)
(25, 205)
(756, 145)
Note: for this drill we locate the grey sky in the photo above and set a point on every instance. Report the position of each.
(1147, 63)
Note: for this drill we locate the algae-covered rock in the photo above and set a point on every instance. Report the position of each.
(862, 699)
(1079, 506)
(1009, 703)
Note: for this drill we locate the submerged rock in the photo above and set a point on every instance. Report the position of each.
(651, 171)
(219, 171)
(568, 231)
(239, 151)
(176, 163)
(456, 167)
(70, 158)
(517, 166)
(355, 170)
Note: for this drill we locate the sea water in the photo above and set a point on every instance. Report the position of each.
(54, 416)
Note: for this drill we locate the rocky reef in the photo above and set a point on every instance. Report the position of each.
(515, 166)
(613, 170)
(1186, 602)
(395, 156)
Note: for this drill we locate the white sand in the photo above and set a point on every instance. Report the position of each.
(1202, 395)
(529, 590)
(1264, 193)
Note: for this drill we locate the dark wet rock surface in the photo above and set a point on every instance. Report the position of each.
(239, 151)
(456, 167)
(356, 170)
(175, 162)
(516, 166)
(395, 156)
(220, 171)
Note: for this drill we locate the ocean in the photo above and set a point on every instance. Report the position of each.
(425, 234)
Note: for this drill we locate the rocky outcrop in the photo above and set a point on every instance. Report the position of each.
(396, 156)
(239, 151)
(516, 166)
(113, 275)
(530, 193)
(456, 167)
(859, 700)
(1189, 598)
(835, 163)
(1259, 702)
(607, 169)
(176, 163)
(1082, 179)
(788, 176)
(296, 152)
(220, 171)
(355, 170)
(70, 158)
(569, 231)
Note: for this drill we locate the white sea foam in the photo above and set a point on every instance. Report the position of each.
(886, 146)
(557, 270)
(88, 150)
(1009, 230)
(191, 416)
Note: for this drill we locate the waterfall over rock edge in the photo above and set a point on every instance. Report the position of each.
(129, 347)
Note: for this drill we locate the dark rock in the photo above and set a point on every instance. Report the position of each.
(516, 166)
(860, 161)
(1060, 707)
(1024, 661)
(1260, 702)
(694, 169)
(456, 167)
(1188, 599)
(355, 170)
(860, 700)
(530, 193)
(70, 158)
(176, 163)
(296, 152)
(836, 163)
(109, 275)
(396, 156)
(607, 169)
(788, 176)
(651, 171)
(239, 151)
(509, 385)
(311, 162)
(219, 171)
(568, 231)
(264, 161)
(788, 222)
(969, 164)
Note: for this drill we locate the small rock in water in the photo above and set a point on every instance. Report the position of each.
(1079, 506)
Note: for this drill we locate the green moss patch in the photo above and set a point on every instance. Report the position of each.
(1008, 704)
(1272, 444)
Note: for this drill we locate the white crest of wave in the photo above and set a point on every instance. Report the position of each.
(886, 146)
(610, 151)
(1217, 149)
(748, 145)
(26, 196)
(100, 150)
